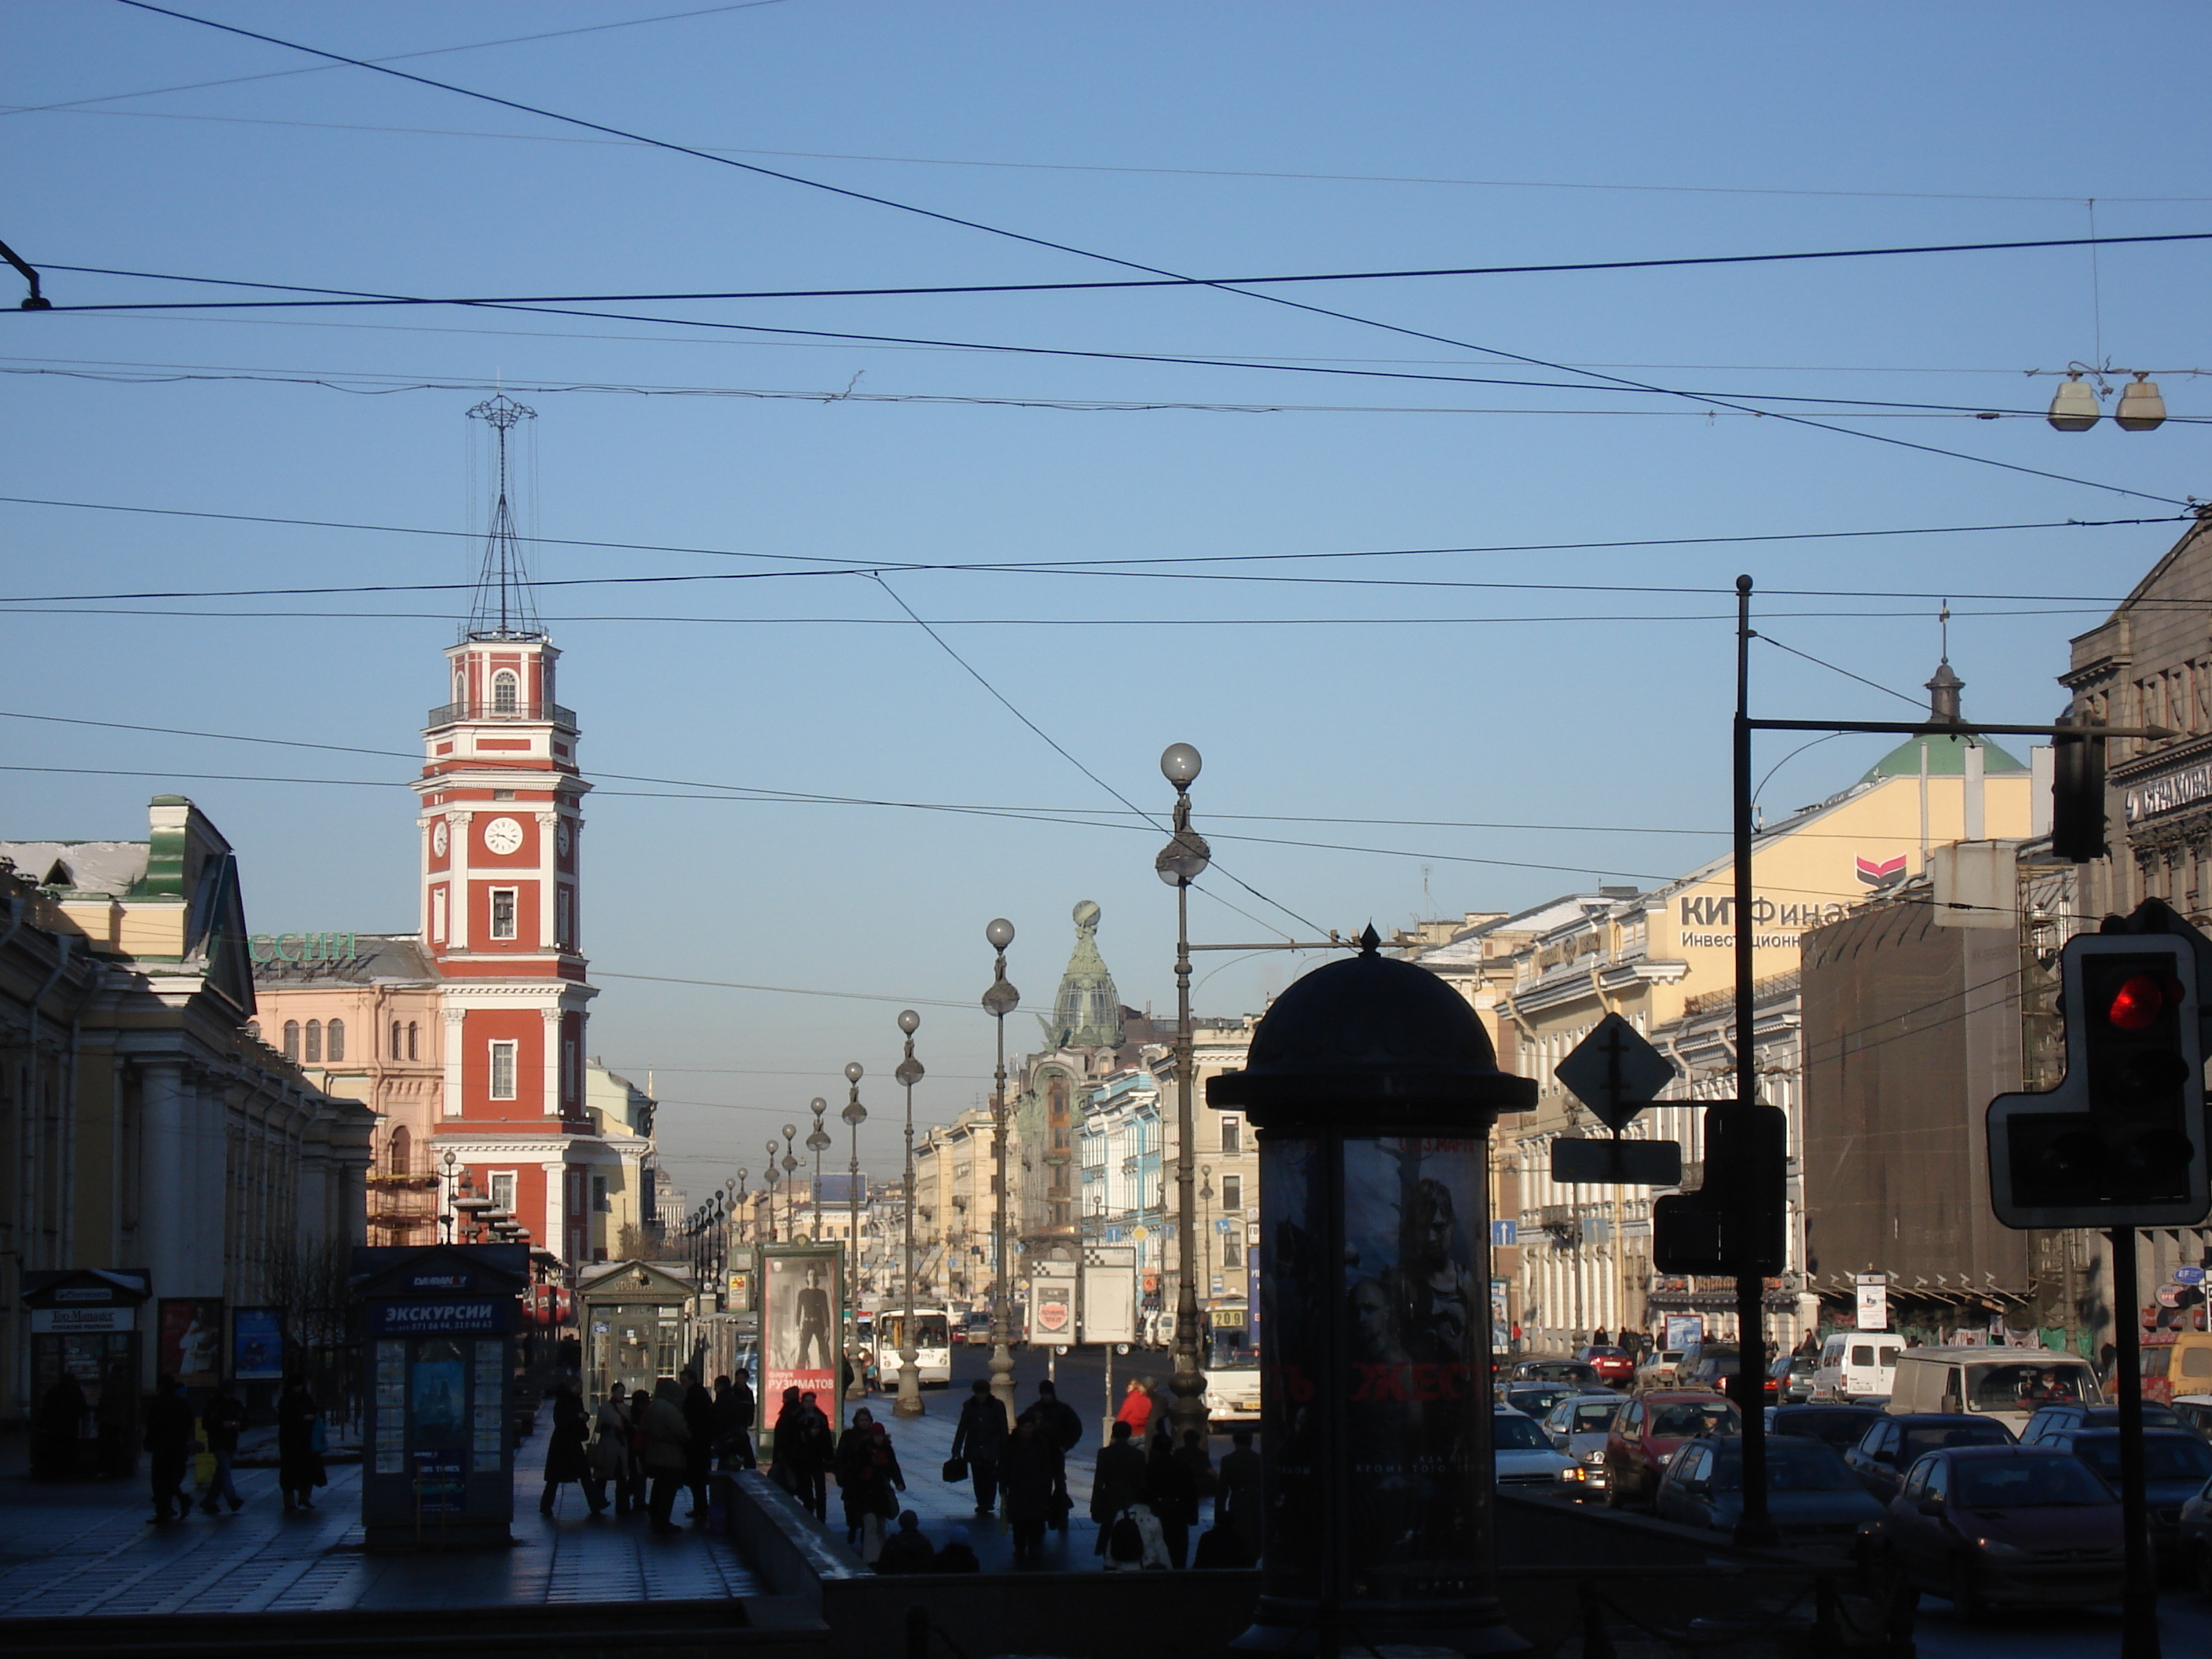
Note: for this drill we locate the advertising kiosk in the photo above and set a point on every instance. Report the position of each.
(438, 1352)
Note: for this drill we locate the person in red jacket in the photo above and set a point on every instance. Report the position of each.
(1136, 1409)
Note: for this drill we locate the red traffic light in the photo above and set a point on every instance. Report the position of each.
(2140, 1000)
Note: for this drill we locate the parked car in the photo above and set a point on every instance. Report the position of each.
(2193, 1542)
(2179, 1363)
(1646, 1431)
(1793, 1376)
(2010, 1384)
(1838, 1428)
(2177, 1466)
(1660, 1370)
(1577, 1426)
(2051, 1421)
(1553, 1370)
(1888, 1450)
(1854, 1364)
(1526, 1458)
(1535, 1399)
(1612, 1364)
(2194, 1411)
(1810, 1495)
(2009, 1526)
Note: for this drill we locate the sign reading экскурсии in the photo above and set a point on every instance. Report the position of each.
(2186, 785)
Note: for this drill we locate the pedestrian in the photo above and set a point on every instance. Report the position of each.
(299, 1450)
(223, 1418)
(907, 1550)
(1136, 1408)
(1027, 1471)
(821, 1442)
(734, 1410)
(612, 1460)
(980, 1439)
(59, 1426)
(700, 1418)
(869, 1480)
(668, 1441)
(1136, 1542)
(169, 1442)
(1058, 1423)
(1117, 1481)
(1172, 1490)
(1241, 1502)
(959, 1555)
(564, 1448)
(1192, 1455)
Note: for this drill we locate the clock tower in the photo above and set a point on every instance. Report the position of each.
(500, 832)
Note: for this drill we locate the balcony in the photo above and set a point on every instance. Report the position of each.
(453, 713)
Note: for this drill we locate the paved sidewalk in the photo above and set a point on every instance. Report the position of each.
(85, 1549)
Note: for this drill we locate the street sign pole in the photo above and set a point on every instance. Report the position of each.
(2139, 1599)
(1754, 1530)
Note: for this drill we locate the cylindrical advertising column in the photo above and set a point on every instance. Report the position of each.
(1373, 1089)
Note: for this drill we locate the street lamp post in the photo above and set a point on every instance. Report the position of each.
(1179, 863)
(446, 1219)
(790, 1184)
(768, 1185)
(908, 1403)
(817, 1142)
(999, 1001)
(743, 1208)
(1205, 1229)
(854, 1115)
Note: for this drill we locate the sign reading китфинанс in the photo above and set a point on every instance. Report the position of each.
(442, 1317)
(2186, 785)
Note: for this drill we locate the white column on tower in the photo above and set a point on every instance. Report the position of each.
(552, 1060)
(548, 880)
(455, 1038)
(457, 881)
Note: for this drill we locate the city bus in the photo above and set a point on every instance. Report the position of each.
(932, 1347)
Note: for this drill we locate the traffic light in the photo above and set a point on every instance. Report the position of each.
(1736, 1224)
(2077, 797)
(2121, 1142)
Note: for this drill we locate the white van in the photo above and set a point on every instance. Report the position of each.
(1857, 1365)
(2008, 1384)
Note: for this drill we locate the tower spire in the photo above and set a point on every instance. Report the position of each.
(504, 607)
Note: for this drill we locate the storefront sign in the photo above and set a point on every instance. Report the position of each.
(302, 947)
(69, 1322)
(2186, 785)
(442, 1317)
(1872, 1301)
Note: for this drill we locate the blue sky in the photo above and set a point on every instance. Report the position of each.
(1565, 133)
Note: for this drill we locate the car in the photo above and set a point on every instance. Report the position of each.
(2004, 1526)
(1839, 1428)
(1891, 1445)
(2010, 1384)
(1612, 1364)
(2193, 1541)
(1662, 1370)
(1525, 1457)
(1855, 1364)
(1793, 1376)
(2051, 1421)
(1553, 1370)
(1535, 1399)
(1811, 1496)
(2177, 1467)
(1646, 1431)
(2193, 1410)
(1578, 1425)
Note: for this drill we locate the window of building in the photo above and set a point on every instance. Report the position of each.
(334, 1039)
(503, 688)
(438, 914)
(291, 1039)
(502, 1190)
(394, 1051)
(564, 931)
(314, 1042)
(569, 1068)
(1232, 1135)
(502, 912)
(1232, 1194)
(502, 1071)
(600, 1204)
(400, 1151)
(411, 1039)
(1232, 1250)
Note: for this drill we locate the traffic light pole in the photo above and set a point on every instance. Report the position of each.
(1754, 1530)
(2139, 1600)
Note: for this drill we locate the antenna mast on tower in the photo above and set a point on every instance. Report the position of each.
(504, 607)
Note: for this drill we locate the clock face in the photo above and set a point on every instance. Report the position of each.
(561, 837)
(503, 836)
(438, 838)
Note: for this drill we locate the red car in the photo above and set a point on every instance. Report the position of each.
(1649, 1429)
(2016, 1526)
(1611, 1365)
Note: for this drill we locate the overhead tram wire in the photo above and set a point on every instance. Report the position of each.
(1130, 264)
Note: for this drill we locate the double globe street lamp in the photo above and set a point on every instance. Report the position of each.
(1001, 999)
(1179, 863)
(910, 1072)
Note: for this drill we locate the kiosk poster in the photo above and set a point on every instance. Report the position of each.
(801, 1295)
(257, 1344)
(190, 1339)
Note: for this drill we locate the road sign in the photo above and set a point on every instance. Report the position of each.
(2189, 1275)
(1605, 1161)
(1614, 1071)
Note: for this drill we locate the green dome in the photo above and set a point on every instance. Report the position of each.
(1947, 759)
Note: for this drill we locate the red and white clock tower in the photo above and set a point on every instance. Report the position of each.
(501, 830)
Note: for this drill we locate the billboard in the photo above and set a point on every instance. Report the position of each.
(802, 1295)
(1052, 1304)
(190, 1339)
(257, 1344)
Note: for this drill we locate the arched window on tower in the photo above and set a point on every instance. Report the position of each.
(291, 1039)
(504, 686)
(314, 1042)
(393, 1051)
(401, 1152)
(334, 1040)
(411, 1039)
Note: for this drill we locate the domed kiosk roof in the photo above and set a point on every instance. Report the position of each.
(1371, 1039)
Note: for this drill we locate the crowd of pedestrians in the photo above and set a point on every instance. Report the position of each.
(641, 1450)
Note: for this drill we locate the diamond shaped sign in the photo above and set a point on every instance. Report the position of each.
(1615, 1071)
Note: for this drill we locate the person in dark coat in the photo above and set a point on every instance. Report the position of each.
(735, 1409)
(869, 1480)
(224, 1418)
(702, 1419)
(1058, 1422)
(611, 1459)
(1027, 1470)
(169, 1443)
(298, 1465)
(564, 1448)
(1192, 1455)
(1117, 1482)
(1172, 1490)
(56, 1429)
(667, 1454)
(796, 1462)
(1241, 1503)
(959, 1555)
(980, 1438)
(822, 1451)
(907, 1550)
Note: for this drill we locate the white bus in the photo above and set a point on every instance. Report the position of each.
(933, 1328)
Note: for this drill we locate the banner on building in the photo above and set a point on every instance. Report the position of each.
(257, 1344)
(1052, 1304)
(1873, 1302)
(1685, 1331)
(802, 1296)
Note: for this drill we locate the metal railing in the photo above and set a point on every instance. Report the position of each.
(452, 712)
